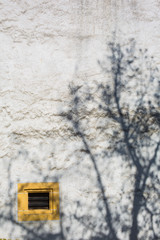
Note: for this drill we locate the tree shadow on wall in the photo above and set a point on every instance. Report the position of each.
(128, 104)
(117, 120)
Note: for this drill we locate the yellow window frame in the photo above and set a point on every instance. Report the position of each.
(25, 214)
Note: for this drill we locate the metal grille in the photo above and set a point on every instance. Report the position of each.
(38, 200)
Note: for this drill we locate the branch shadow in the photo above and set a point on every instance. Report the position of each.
(130, 99)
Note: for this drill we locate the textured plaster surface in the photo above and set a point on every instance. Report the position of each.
(45, 45)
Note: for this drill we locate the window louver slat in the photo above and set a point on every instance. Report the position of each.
(38, 200)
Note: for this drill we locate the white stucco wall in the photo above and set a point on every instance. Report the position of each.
(46, 45)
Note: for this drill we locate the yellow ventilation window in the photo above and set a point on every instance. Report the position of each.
(38, 201)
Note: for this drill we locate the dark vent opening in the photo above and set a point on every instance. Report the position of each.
(38, 200)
